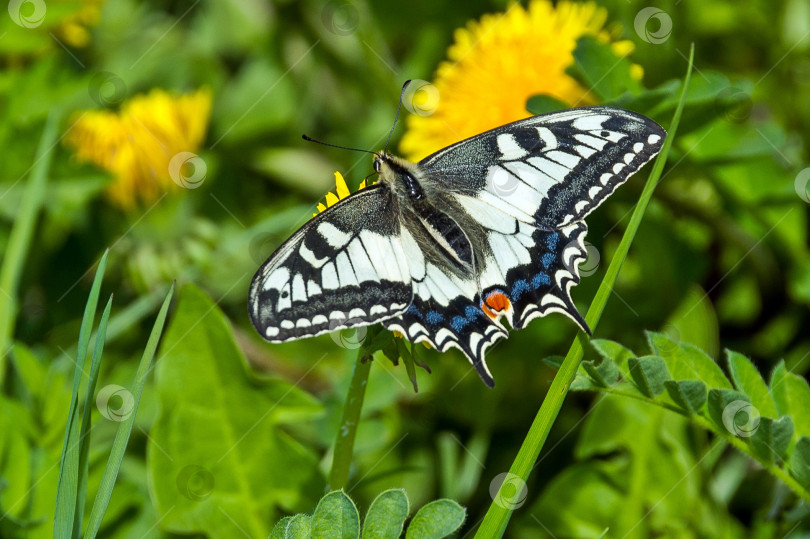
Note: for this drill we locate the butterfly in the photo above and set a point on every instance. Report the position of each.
(486, 232)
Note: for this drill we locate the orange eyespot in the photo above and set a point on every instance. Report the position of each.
(495, 303)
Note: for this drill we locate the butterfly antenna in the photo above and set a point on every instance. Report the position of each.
(310, 139)
(399, 107)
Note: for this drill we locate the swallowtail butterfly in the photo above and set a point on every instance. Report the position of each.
(490, 229)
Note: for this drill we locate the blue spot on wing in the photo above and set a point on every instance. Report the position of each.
(414, 311)
(434, 317)
(547, 259)
(471, 312)
(540, 279)
(551, 241)
(458, 323)
(519, 288)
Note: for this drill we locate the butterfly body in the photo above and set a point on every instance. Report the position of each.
(486, 231)
(439, 225)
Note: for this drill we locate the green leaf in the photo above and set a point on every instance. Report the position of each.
(124, 431)
(583, 382)
(605, 374)
(792, 396)
(16, 475)
(771, 438)
(613, 351)
(688, 394)
(703, 365)
(733, 412)
(391, 351)
(543, 104)
(702, 91)
(335, 517)
(577, 501)
(32, 371)
(553, 361)
(607, 75)
(779, 389)
(216, 454)
(299, 527)
(407, 359)
(435, 520)
(702, 100)
(618, 477)
(386, 515)
(460, 473)
(687, 362)
(280, 529)
(648, 99)
(748, 380)
(800, 461)
(649, 374)
(68, 482)
(377, 338)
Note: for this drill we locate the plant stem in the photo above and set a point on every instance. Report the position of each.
(497, 517)
(344, 440)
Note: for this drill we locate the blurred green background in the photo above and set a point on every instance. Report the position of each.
(721, 260)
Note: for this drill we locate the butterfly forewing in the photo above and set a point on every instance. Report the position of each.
(349, 266)
(550, 170)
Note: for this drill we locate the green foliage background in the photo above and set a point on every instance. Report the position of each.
(232, 434)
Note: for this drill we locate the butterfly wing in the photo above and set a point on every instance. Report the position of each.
(351, 265)
(529, 274)
(546, 172)
(527, 186)
(549, 170)
(445, 313)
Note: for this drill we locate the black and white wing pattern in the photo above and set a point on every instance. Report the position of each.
(549, 170)
(485, 232)
(349, 266)
(524, 190)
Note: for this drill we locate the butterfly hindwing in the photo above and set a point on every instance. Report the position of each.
(532, 276)
(446, 313)
(543, 286)
(349, 266)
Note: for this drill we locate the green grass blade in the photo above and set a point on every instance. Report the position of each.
(67, 486)
(84, 433)
(132, 315)
(125, 428)
(22, 232)
(497, 517)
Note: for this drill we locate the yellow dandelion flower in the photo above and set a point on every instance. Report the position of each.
(498, 62)
(137, 144)
(74, 29)
(342, 191)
